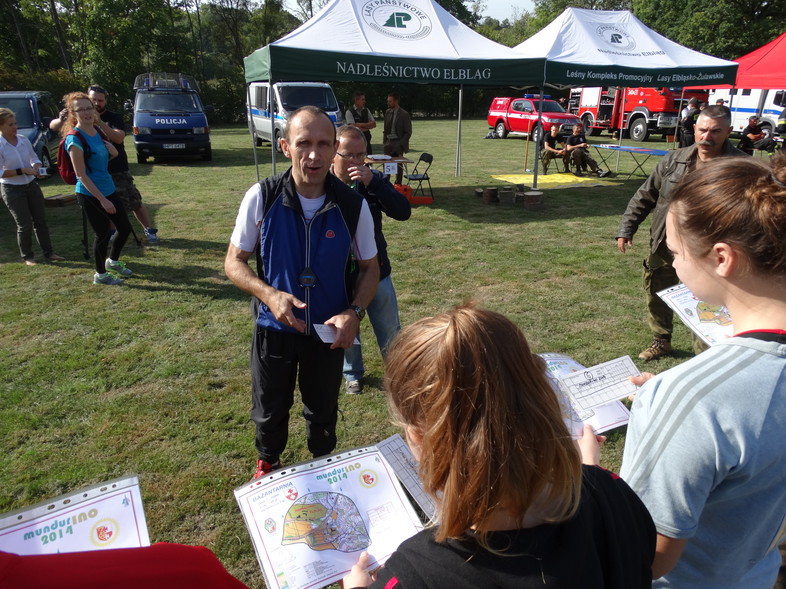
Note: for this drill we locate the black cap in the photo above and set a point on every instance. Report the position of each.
(694, 101)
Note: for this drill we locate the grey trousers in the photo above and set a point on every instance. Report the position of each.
(26, 203)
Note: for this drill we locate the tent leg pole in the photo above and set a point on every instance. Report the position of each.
(271, 102)
(537, 143)
(458, 132)
(253, 129)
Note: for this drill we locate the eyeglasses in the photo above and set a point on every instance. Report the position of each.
(85, 109)
(353, 156)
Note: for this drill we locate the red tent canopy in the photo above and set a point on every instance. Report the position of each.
(762, 68)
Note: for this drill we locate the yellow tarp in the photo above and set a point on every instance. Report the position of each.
(554, 180)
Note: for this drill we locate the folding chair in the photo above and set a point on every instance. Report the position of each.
(421, 177)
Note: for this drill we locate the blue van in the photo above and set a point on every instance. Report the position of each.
(34, 110)
(169, 118)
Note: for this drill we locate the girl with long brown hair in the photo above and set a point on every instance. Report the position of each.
(516, 508)
(90, 154)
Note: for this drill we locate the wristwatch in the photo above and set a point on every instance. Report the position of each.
(359, 311)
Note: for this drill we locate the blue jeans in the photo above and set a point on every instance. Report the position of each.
(383, 314)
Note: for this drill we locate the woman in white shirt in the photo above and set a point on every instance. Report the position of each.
(21, 192)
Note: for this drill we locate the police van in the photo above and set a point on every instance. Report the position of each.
(283, 100)
(746, 102)
(169, 118)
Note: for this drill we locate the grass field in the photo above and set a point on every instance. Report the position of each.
(152, 378)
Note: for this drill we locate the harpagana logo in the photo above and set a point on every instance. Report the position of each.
(368, 478)
(616, 37)
(104, 532)
(398, 19)
(270, 525)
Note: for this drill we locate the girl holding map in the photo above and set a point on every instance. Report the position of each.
(516, 507)
(704, 448)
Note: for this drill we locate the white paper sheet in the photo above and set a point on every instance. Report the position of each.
(562, 370)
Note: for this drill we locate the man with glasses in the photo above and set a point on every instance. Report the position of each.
(306, 229)
(381, 197)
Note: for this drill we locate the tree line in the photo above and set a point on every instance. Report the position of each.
(62, 45)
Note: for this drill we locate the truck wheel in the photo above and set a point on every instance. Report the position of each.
(536, 134)
(258, 141)
(46, 161)
(639, 130)
(208, 155)
(500, 130)
(587, 121)
(141, 159)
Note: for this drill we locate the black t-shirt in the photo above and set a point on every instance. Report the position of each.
(746, 142)
(608, 544)
(552, 141)
(115, 121)
(576, 139)
(688, 121)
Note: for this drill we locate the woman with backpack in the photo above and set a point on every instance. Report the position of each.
(90, 153)
(20, 168)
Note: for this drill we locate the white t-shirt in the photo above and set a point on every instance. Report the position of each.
(16, 156)
(246, 233)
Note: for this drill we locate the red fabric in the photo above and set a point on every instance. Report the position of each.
(761, 68)
(391, 583)
(161, 565)
(779, 331)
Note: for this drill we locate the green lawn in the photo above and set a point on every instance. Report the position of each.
(152, 378)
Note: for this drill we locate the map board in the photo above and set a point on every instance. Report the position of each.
(109, 515)
(712, 323)
(309, 522)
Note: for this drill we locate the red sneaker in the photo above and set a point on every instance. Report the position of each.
(264, 468)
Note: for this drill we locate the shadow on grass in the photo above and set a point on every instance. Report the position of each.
(196, 279)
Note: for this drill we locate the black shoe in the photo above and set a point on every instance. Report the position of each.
(567, 171)
(578, 173)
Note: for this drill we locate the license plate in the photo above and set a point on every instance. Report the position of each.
(174, 145)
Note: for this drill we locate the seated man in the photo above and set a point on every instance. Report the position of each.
(551, 150)
(578, 148)
(754, 138)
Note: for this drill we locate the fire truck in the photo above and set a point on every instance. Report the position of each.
(637, 111)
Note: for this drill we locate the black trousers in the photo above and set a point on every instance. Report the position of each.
(99, 220)
(277, 360)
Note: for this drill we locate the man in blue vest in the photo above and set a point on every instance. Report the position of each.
(306, 229)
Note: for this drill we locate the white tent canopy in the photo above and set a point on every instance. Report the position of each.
(614, 48)
(390, 41)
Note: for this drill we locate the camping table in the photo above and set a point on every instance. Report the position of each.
(640, 155)
(375, 160)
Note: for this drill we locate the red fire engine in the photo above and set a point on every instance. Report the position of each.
(640, 111)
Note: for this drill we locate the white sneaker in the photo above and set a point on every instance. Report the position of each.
(118, 267)
(106, 278)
